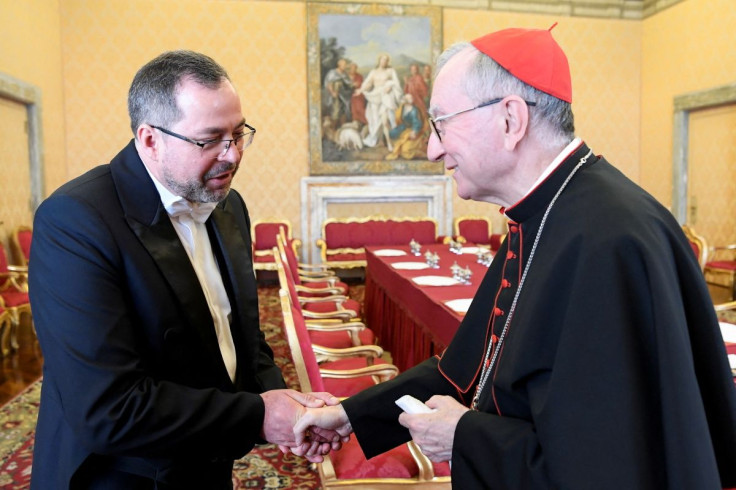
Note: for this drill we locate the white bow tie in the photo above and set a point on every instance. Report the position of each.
(199, 211)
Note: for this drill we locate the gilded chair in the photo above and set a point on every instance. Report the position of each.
(14, 295)
(5, 330)
(263, 233)
(728, 306)
(20, 243)
(324, 309)
(394, 469)
(717, 263)
(343, 240)
(698, 244)
(361, 364)
(720, 269)
(477, 230)
(309, 286)
(307, 272)
(473, 229)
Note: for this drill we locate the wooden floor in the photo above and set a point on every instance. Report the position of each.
(22, 367)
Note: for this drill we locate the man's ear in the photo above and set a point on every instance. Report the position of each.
(516, 113)
(147, 141)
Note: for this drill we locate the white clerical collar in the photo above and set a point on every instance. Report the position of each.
(566, 152)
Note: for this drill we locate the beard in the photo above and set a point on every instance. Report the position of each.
(195, 190)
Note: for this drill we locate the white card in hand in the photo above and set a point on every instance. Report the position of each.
(411, 405)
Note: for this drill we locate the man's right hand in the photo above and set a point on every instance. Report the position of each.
(320, 422)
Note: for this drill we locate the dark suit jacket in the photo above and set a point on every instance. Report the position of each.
(133, 376)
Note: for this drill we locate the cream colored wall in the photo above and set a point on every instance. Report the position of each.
(686, 48)
(711, 178)
(263, 46)
(30, 52)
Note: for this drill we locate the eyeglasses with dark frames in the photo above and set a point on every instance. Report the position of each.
(241, 141)
(433, 121)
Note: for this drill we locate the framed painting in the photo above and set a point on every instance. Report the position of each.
(369, 82)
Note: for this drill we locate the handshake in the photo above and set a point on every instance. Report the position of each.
(306, 424)
(313, 424)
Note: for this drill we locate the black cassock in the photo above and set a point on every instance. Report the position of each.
(613, 372)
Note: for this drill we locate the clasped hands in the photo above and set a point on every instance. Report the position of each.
(284, 409)
(321, 428)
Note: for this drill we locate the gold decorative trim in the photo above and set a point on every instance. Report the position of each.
(267, 266)
(325, 253)
(700, 242)
(361, 166)
(15, 246)
(611, 9)
(456, 223)
(379, 217)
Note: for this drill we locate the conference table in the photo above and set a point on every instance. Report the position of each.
(415, 309)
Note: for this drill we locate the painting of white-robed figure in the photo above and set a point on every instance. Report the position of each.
(370, 76)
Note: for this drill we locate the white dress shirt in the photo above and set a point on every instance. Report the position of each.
(188, 219)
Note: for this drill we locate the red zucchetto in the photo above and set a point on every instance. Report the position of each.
(532, 56)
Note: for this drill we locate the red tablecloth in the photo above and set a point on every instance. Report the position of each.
(411, 321)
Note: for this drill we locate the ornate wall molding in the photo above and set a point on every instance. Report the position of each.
(683, 106)
(30, 96)
(610, 9)
(317, 193)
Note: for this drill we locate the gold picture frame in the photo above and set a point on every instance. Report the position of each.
(369, 81)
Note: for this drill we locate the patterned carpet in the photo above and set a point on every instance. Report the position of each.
(264, 468)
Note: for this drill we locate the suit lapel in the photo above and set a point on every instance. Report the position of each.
(148, 219)
(231, 251)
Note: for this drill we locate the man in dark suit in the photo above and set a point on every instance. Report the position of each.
(156, 372)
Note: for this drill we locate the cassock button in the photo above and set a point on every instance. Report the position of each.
(497, 311)
(510, 255)
(505, 283)
(513, 228)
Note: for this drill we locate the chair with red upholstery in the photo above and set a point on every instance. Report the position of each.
(310, 273)
(698, 244)
(496, 241)
(14, 294)
(720, 269)
(343, 241)
(20, 242)
(328, 322)
(473, 229)
(401, 466)
(363, 360)
(263, 233)
(308, 286)
(477, 230)
(335, 308)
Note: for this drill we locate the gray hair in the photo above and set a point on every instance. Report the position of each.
(152, 94)
(485, 79)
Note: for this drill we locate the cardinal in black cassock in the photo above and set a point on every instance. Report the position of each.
(591, 355)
